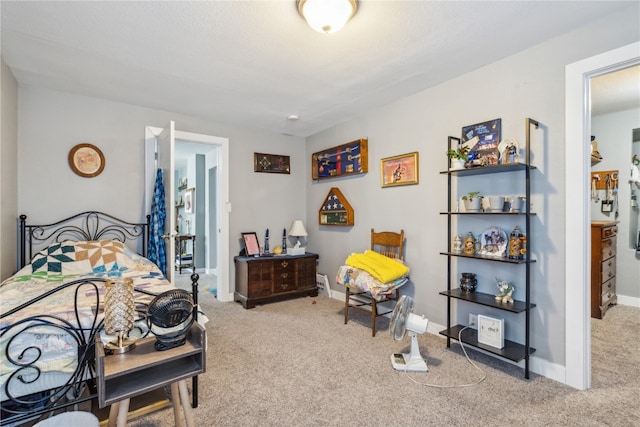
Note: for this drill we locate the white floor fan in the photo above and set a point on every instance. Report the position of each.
(403, 320)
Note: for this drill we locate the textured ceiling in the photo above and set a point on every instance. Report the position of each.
(254, 63)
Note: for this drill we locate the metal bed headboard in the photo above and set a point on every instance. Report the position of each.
(90, 225)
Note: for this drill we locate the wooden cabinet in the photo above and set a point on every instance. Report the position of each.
(603, 267)
(266, 279)
(513, 351)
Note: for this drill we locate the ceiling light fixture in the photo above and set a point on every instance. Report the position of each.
(327, 16)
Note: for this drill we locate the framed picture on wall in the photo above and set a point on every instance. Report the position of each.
(189, 200)
(399, 170)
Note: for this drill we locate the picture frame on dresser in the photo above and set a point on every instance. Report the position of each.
(251, 243)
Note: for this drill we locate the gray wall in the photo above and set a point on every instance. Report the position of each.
(528, 84)
(8, 172)
(51, 123)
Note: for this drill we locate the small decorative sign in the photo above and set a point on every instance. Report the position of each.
(271, 163)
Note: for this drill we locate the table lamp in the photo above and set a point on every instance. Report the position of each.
(297, 230)
(119, 309)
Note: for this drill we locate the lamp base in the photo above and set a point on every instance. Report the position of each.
(119, 347)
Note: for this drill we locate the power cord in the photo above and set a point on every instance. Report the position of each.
(484, 374)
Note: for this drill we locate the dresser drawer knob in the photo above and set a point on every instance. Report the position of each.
(284, 264)
(285, 275)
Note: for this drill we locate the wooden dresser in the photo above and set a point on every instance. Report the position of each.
(603, 266)
(265, 279)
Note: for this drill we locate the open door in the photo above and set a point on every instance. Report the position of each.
(166, 161)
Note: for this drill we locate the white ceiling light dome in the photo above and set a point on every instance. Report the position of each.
(327, 16)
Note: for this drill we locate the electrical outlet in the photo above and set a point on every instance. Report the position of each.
(473, 321)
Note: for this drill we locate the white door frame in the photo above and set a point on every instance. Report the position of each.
(224, 293)
(577, 213)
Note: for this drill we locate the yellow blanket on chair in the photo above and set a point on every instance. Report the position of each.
(381, 267)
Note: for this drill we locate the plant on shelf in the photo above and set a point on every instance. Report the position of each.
(458, 156)
(458, 153)
(473, 201)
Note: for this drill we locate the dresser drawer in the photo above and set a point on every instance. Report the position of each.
(608, 269)
(608, 248)
(284, 276)
(609, 231)
(608, 290)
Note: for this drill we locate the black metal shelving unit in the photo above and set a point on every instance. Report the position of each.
(512, 351)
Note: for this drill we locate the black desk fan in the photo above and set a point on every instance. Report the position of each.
(172, 311)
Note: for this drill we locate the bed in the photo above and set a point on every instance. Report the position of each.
(52, 311)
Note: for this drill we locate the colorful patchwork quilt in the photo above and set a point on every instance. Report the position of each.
(52, 268)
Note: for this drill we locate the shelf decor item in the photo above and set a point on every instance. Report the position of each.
(399, 170)
(473, 201)
(458, 157)
(86, 160)
(493, 242)
(506, 291)
(346, 159)
(490, 331)
(271, 163)
(482, 140)
(517, 244)
(469, 247)
(468, 282)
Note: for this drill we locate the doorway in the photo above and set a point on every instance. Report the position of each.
(215, 151)
(577, 213)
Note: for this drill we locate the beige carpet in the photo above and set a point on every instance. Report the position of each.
(295, 363)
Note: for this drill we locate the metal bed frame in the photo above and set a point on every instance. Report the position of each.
(81, 385)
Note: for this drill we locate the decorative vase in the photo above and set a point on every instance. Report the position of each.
(468, 282)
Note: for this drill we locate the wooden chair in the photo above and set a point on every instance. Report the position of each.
(386, 243)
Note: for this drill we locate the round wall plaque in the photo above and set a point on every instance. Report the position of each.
(86, 160)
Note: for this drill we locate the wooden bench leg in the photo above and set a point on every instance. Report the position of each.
(113, 414)
(122, 410)
(186, 404)
(175, 401)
